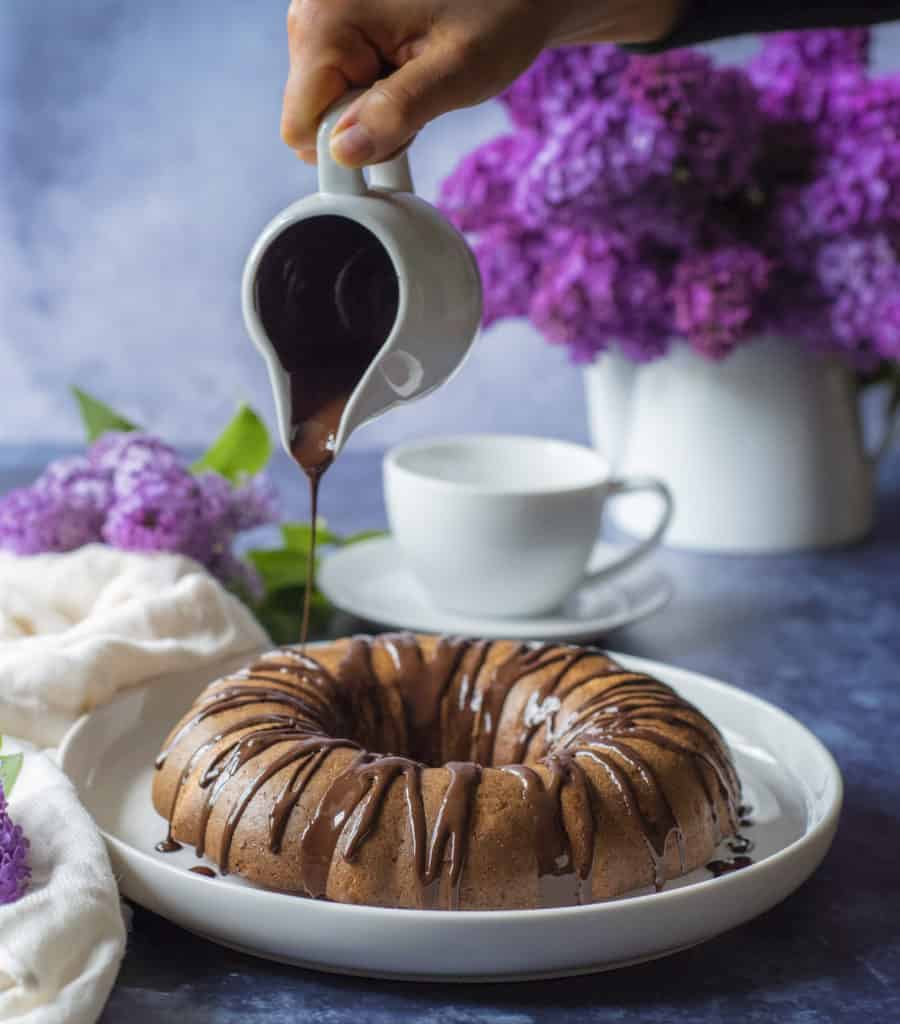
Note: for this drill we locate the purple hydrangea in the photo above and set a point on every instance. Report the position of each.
(14, 870)
(560, 81)
(717, 297)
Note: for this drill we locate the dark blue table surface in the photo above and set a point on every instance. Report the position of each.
(818, 634)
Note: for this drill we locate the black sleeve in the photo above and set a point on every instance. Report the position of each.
(705, 20)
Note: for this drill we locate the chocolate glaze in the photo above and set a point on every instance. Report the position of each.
(327, 296)
(740, 844)
(204, 871)
(726, 867)
(168, 845)
(449, 705)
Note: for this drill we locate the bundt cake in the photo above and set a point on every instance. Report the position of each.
(512, 775)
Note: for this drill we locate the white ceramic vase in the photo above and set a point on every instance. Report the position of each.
(762, 451)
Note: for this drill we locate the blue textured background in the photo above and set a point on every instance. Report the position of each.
(139, 157)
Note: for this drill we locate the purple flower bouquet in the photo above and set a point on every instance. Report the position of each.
(134, 492)
(642, 199)
(15, 872)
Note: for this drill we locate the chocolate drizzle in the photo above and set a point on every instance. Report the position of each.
(202, 870)
(453, 710)
(726, 867)
(168, 845)
(740, 844)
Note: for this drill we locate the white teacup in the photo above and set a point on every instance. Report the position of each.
(499, 525)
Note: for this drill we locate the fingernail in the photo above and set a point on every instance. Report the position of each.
(353, 146)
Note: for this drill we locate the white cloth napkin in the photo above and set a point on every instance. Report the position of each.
(61, 944)
(76, 629)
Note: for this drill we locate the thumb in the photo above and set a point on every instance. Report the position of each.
(390, 113)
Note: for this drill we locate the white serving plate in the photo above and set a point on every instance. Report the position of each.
(789, 778)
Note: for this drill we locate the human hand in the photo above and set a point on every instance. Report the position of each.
(420, 58)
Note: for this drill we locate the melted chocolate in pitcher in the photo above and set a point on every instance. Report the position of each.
(327, 296)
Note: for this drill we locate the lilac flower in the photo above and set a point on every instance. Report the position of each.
(800, 76)
(886, 333)
(478, 194)
(78, 483)
(254, 503)
(568, 305)
(861, 278)
(127, 455)
(717, 296)
(594, 291)
(561, 81)
(14, 870)
(868, 110)
(859, 188)
(646, 159)
(161, 511)
(646, 303)
(711, 112)
(647, 197)
(216, 501)
(509, 260)
(34, 521)
(593, 163)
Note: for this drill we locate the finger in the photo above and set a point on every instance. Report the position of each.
(386, 117)
(327, 58)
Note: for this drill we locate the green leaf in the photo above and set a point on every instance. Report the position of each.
(242, 449)
(364, 535)
(280, 613)
(10, 766)
(297, 536)
(280, 568)
(97, 417)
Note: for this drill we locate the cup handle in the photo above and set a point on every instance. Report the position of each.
(334, 178)
(618, 486)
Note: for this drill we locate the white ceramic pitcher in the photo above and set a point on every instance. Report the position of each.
(440, 299)
(762, 451)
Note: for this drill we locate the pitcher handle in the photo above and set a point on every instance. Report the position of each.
(334, 178)
(393, 175)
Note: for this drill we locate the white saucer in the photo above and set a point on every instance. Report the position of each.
(370, 581)
(789, 778)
